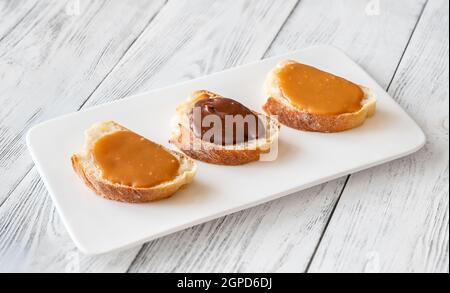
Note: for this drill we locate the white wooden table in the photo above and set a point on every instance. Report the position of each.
(57, 57)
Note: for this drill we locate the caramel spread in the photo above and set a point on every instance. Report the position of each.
(129, 159)
(319, 92)
(223, 107)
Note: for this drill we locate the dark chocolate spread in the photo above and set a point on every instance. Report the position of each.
(238, 123)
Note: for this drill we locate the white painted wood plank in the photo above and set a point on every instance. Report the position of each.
(208, 37)
(376, 42)
(11, 14)
(187, 39)
(281, 235)
(50, 62)
(395, 218)
(33, 239)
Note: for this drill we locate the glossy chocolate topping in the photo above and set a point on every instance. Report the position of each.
(242, 125)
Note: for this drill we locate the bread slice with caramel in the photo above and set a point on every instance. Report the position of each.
(97, 168)
(306, 98)
(240, 152)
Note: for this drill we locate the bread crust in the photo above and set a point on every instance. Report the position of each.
(130, 194)
(214, 153)
(218, 156)
(291, 116)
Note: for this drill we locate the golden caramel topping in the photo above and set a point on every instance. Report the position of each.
(319, 92)
(129, 159)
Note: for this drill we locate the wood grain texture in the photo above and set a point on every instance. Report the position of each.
(277, 236)
(185, 40)
(12, 12)
(282, 235)
(50, 62)
(376, 42)
(33, 238)
(189, 39)
(395, 218)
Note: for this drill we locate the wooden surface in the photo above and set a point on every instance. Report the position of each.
(56, 59)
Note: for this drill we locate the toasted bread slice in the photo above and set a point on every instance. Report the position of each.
(238, 154)
(294, 117)
(85, 167)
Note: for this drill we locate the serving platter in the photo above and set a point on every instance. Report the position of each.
(304, 159)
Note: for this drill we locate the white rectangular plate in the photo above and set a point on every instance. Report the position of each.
(305, 159)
